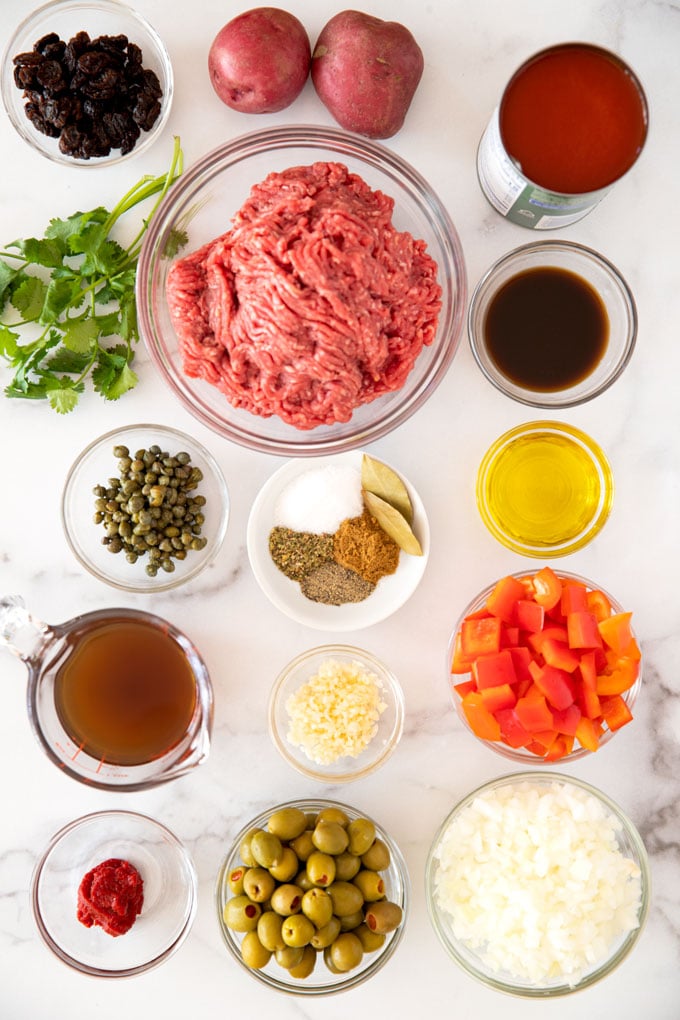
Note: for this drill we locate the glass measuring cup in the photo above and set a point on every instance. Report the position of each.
(118, 698)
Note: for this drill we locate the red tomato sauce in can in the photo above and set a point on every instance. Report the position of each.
(574, 118)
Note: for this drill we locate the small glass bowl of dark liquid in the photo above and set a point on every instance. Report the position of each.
(552, 324)
(118, 699)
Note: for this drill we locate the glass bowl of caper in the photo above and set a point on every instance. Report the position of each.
(312, 897)
(145, 508)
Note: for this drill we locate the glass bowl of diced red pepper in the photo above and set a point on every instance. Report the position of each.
(544, 667)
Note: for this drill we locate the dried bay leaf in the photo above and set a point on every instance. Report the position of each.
(385, 483)
(393, 522)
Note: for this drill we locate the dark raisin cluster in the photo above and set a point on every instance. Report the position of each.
(94, 95)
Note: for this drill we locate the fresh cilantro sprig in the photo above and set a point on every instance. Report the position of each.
(67, 302)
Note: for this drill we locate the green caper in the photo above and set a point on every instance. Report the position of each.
(254, 954)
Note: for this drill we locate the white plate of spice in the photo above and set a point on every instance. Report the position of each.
(339, 545)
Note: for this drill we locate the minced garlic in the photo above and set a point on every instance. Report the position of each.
(335, 714)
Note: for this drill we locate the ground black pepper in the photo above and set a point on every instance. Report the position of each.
(335, 585)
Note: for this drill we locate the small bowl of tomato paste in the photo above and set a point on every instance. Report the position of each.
(544, 667)
(114, 894)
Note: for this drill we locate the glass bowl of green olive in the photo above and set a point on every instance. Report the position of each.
(145, 508)
(312, 897)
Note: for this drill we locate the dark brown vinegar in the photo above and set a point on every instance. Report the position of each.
(546, 329)
(126, 693)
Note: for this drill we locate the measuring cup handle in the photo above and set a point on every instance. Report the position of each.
(19, 631)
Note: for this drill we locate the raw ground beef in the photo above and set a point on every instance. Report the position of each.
(311, 305)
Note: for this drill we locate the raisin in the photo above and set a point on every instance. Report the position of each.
(37, 119)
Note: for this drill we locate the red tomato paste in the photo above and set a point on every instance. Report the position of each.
(574, 118)
(111, 896)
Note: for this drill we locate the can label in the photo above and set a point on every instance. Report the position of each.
(516, 197)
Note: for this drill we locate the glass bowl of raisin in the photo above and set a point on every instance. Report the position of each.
(87, 84)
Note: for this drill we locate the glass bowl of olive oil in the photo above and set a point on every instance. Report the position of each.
(552, 324)
(544, 489)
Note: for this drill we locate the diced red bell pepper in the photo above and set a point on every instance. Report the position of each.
(547, 587)
(480, 635)
(574, 598)
(588, 734)
(560, 655)
(529, 615)
(555, 685)
(619, 680)
(582, 631)
(533, 713)
(616, 632)
(460, 663)
(512, 731)
(492, 670)
(615, 712)
(509, 637)
(561, 746)
(598, 604)
(480, 720)
(501, 601)
(499, 697)
(567, 719)
(464, 687)
(521, 657)
(546, 738)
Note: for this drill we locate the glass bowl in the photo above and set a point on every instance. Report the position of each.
(322, 981)
(170, 893)
(200, 207)
(96, 465)
(391, 592)
(388, 723)
(521, 754)
(67, 18)
(462, 829)
(616, 306)
(544, 489)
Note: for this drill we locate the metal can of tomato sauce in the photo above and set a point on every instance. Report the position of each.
(572, 120)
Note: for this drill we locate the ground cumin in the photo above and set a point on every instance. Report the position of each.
(360, 544)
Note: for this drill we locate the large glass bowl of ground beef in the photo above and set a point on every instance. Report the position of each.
(301, 290)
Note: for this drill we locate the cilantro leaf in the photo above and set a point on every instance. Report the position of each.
(80, 334)
(63, 400)
(64, 231)
(67, 361)
(29, 297)
(7, 275)
(62, 293)
(40, 251)
(8, 343)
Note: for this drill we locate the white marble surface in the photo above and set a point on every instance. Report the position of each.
(470, 50)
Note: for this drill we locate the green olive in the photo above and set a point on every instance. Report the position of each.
(304, 881)
(377, 857)
(258, 884)
(269, 927)
(330, 837)
(332, 814)
(384, 916)
(297, 930)
(287, 867)
(289, 956)
(346, 898)
(348, 922)
(245, 851)
(287, 823)
(361, 833)
(305, 967)
(321, 869)
(371, 884)
(287, 899)
(303, 846)
(254, 954)
(317, 906)
(346, 952)
(323, 937)
(347, 866)
(370, 940)
(235, 881)
(328, 960)
(241, 914)
(266, 848)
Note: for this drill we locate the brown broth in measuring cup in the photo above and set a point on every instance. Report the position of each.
(546, 329)
(125, 691)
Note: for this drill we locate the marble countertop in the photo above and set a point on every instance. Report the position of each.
(470, 51)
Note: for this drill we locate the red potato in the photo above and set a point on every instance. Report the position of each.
(259, 61)
(366, 72)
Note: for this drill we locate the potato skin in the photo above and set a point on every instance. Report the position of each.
(366, 72)
(259, 61)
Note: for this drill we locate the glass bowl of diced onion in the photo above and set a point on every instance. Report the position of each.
(538, 884)
(336, 713)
